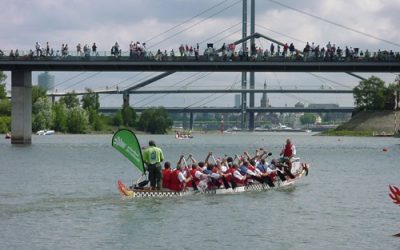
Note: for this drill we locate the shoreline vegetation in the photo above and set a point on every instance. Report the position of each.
(369, 123)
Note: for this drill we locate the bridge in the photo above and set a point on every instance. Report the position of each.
(21, 68)
(203, 91)
(190, 65)
(113, 110)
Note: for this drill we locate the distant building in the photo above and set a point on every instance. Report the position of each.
(238, 100)
(264, 99)
(46, 81)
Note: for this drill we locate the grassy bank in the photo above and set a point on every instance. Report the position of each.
(368, 123)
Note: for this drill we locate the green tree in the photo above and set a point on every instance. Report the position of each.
(308, 118)
(3, 91)
(155, 121)
(5, 124)
(370, 94)
(96, 121)
(5, 107)
(70, 100)
(78, 121)
(60, 113)
(118, 120)
(38, 92)
(90, 100)
(128, 116)
(42, 115)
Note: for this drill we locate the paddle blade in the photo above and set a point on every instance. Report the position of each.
(394, 194)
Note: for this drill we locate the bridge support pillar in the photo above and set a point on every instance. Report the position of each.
(125, 99)
(21, 107)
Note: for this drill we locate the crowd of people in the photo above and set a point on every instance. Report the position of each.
(226, 172)
(227, 52)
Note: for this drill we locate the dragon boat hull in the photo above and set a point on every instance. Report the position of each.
(255, 186)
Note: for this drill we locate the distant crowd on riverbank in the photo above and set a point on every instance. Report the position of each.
(227, 52)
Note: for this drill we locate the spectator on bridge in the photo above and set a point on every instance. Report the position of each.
(144, 49)
(86, 50)
(12, 55)
(47, 49)
(272, 49)
(291, 49)
(196, 54)
(31, 54)
(278, 50)
(285, 49)
(115, 50)
(78, 50)
(38, 49)
(265, 54)
(182, 50)
(94, 49)
(16, 53)
(64, 50)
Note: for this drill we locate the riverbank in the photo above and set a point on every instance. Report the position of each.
(369, 123)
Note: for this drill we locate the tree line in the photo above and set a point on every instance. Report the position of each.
(371, 94)
(69, 114)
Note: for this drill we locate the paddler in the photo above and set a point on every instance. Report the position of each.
(287, 153)
(178, 179)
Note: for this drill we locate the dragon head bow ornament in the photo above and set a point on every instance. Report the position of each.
(394, 194)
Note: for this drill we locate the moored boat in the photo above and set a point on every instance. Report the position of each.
(45, 132)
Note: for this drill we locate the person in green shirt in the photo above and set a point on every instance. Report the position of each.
(153, 156)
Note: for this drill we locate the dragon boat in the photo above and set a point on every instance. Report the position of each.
(126, 142)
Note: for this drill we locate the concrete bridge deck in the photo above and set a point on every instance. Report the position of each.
(189, 64)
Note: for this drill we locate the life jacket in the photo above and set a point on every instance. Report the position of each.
(230, 171)
(251, 167)
(166, 178)
(193, 174)
(262, 168)
(175, 183)
(243, 170)
(288, 152)
(238, 181)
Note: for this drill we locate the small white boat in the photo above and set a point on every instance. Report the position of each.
(45, 132)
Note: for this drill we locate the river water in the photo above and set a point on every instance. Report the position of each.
(60, 193)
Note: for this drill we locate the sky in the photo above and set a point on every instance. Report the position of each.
(364, 24)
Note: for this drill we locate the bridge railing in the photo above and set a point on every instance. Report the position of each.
(7, 55)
